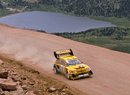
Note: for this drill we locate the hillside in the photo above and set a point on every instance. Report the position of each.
(21, 80)
(114, 11)
(116, 8)
(34, 49)
(115, 38)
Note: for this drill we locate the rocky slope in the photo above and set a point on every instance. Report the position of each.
(16, 79)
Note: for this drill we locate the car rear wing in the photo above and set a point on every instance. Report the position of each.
(61, 53)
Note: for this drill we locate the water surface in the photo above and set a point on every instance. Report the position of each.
(52, 22)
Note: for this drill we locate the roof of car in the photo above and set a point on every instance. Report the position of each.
(68, 57)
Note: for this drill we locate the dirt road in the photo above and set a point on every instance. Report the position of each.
(111, 69)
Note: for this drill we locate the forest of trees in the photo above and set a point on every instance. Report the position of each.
(93, 7)
(82, 7)
(115, 33)
(114, 38)
(1, 5)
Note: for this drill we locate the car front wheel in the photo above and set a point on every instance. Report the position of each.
(90, 73)
(67, 75)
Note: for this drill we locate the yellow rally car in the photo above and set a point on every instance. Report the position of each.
(69, 65)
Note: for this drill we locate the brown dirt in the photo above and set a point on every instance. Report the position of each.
(111, 68)
(30, 80)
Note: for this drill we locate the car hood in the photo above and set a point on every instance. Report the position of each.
(78, 66)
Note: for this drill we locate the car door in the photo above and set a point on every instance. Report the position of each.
(58, 65)
(62, 68)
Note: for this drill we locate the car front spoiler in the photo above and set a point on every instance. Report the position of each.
(83, 75)
(80, 76)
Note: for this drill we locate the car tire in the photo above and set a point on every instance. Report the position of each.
(67, 75)
(55, 70)
(90, 73)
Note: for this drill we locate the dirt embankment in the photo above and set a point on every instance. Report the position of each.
(16, 79)
(111, 68)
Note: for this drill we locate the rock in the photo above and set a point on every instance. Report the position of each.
(1, 62)
(24, 87)
(63, 90)
(6, 84)
(63, 93)
(1, 92)
(19, 91)
(7, 93)
(4, 74)
(31, 82)
(45, 83)
(16, 78)
(23, 78)
(14, 73)
(52, 89)
(30, 93)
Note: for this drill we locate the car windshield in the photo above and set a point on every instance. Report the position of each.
(72, 62)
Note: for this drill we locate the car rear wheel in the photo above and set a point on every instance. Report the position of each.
(55, 70)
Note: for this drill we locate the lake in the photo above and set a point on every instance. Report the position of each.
(52, 22)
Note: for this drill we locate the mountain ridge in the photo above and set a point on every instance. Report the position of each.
(118, 8)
